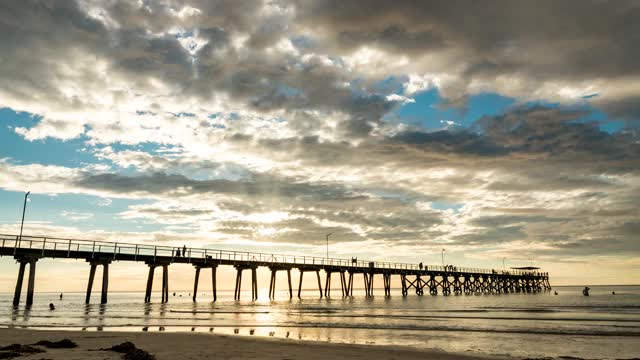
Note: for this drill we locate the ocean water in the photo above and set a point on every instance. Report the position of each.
(601, 326)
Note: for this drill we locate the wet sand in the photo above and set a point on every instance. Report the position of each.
(171, 346)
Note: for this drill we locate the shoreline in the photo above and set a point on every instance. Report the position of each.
(181, 345)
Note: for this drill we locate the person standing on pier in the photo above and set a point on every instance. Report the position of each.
(184, 250)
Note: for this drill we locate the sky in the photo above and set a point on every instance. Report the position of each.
(503, 134)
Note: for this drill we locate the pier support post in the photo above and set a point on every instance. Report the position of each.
(387, 284)
(92, 275)
(290, 288)
(147, 294)
(319, 283)
(300, 284)
(403, 281)
(32, 280)
(272, 284)
(105, 280)
(254, 284)
(16, 294)
(350, 284)
(327, 284)
(466, 285)
(195, 283)
(367, 284)
(457, 285)
(419, 285)
(165, 283)
(105, 283)
(213, 282)
(446, 285)
(433, 285)
(236, 295)
(343, 284)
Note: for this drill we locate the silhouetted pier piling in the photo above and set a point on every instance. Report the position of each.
(434, 279)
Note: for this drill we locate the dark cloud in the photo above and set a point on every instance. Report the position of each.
(569, 41)
(260, 186)
(460, 142)
(506, 220)
(492, 237)
(144, 46)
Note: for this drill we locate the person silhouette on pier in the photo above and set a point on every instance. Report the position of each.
(184, 250)
(178, 252)
(420, 265)
(585, 291)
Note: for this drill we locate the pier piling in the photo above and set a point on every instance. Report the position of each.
(147, 295)
(213, 282)
(289, 280)
(319, 283)
(105, 283)
(16, 295)
(327, 284)
(92, 275)
(300, 284)
(32, 280)
(165, 283)
(195, 283)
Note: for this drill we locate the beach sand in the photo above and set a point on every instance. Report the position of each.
(171, 346)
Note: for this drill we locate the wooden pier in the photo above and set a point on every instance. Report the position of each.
(27, 250)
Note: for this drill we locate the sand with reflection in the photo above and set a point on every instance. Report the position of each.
(171, 346)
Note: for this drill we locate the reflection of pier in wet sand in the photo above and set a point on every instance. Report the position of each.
(27, 250)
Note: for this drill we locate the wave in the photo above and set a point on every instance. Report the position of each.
(320, 313)
(427, 317)
(218, 312)
(351, 327)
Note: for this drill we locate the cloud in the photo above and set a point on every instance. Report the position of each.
(270, 120)
(76, 216)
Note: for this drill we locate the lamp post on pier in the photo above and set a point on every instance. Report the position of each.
(24, 209)
(442, 253)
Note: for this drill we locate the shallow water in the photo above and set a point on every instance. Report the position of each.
(522, 325)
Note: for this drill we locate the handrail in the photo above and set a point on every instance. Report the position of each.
(119, 248)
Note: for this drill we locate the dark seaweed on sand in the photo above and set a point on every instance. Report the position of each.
(62, 344)
(15, 350)
(131, 352)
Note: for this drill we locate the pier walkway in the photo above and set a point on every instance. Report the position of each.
(433, 279)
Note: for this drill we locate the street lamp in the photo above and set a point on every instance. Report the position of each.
(329, 234)
(503, 267)
(24, 208)
(442, 253)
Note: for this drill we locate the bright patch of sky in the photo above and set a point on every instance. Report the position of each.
(441, 205)
(71, 153)
(84, 212)
(430, 112)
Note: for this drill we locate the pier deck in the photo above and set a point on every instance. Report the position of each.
(27, 250)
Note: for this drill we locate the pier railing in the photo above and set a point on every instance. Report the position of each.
(117, 249)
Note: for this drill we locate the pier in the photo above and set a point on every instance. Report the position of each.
(434, 279)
